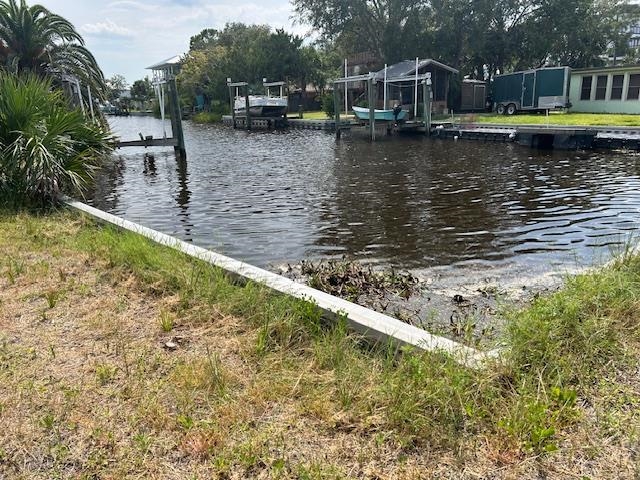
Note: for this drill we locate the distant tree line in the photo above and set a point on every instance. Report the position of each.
(250, 53)
(478, 37)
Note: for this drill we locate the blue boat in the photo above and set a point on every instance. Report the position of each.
(380, 115)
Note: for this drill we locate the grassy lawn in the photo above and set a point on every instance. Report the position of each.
(320, 115)
(556, 118)
(122, 359)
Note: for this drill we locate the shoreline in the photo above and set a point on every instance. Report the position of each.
(121, 357)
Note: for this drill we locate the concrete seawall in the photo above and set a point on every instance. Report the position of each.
(372, 324)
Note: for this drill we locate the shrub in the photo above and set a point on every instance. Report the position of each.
(328, 106)
(206, 117)
(46, 149)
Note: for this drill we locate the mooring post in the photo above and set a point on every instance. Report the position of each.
(336, 110)
(429, 101)
(372, 109)
(246, 108)
(176, 119)
(232, 103)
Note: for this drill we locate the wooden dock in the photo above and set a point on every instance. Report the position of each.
(149, 142)
(533, 136)
(282, 122)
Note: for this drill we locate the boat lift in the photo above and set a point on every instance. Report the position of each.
(244, 87)
(372, 80)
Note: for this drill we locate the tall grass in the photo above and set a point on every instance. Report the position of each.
(555, 349)
(45, 148)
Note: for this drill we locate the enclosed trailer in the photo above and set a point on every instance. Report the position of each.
(541, 89)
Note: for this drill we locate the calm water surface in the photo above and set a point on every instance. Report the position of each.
(411, 202)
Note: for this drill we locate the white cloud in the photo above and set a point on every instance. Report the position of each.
(107, 27)
(127, 35)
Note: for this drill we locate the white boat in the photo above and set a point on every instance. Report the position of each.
(261, 106)
(387, 115)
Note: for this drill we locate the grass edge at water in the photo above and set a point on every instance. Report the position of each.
(559, 347)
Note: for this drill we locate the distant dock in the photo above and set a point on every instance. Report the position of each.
(534, 136)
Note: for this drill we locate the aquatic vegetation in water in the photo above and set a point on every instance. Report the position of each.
(350, 280)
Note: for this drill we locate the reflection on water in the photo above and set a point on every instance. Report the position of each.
(271, 197)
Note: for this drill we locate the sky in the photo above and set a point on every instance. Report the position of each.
(126, 36)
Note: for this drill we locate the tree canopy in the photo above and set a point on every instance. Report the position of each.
(476, 35)
(246, 53)
(32, 39)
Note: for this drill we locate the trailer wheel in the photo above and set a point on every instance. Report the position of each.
(500, 109)
(511, 109)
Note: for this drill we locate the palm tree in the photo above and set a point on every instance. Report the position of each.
(46, 149)
(33, 39)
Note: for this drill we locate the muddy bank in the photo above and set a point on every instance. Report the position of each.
(467, 306)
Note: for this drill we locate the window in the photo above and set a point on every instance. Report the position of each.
(601, 87)
(634, 42)
(616, 87)
(633, 92)
(585, 93)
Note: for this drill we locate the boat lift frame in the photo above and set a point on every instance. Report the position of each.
(245, 85)
(232, 97)
(370, 78)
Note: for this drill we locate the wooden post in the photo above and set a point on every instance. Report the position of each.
(176, 119)
(336, 109)
(372, 109)
(429, 94)
(429, 102)
(425, 106)
(232, 102)
(247, 117)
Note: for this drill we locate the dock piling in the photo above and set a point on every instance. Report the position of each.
(231, 102)
(247, 110)
(176, 119)
(336, 110)
(372, 108)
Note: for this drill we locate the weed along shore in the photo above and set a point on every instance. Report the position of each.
(122, 358)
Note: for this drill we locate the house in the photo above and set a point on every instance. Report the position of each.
(614, 89)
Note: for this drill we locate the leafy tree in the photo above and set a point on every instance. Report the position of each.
(243, 53)
(478, 37)
(115, 86)
(388, 28)
(142, 90)
(35, 40)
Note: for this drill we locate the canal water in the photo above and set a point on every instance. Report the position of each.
(436, 207)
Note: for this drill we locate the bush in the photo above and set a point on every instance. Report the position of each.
(328, 107)
(46, 149)
(206, 117)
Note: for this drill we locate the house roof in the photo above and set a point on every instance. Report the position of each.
(169, 62)
(610, 68)
(407, 68)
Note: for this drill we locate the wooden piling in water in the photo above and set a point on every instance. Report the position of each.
(336, 110)
(232, 103)
(176, 119)
(372, 110)
(247, 110)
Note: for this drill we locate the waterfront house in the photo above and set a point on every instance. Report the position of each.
(614, 89)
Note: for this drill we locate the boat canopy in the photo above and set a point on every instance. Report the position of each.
(398, 72)
(407, 68)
